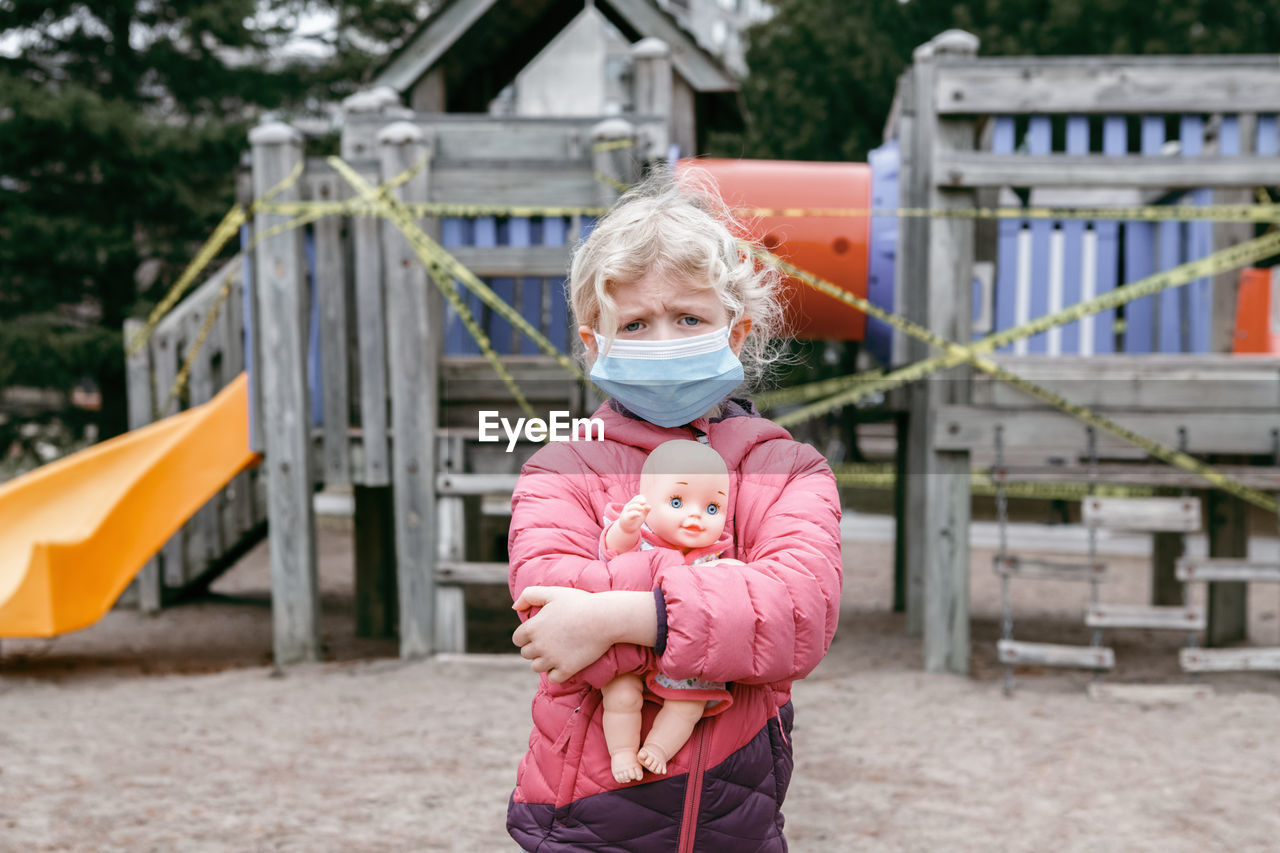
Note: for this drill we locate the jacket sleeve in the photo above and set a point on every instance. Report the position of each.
(773, 619)
(554, 540)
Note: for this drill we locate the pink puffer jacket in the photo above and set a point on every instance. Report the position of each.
(757, 627)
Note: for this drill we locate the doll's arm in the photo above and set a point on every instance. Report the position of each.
(624, 534)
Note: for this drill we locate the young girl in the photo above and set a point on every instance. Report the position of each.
(684, 492)
(673, 315)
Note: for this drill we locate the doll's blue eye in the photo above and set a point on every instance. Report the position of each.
(676, 503)
(712, 509)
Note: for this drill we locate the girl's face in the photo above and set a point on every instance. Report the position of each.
(656, 307)
(687, 510)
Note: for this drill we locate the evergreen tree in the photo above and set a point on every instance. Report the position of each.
(823, 72)
(121, 126)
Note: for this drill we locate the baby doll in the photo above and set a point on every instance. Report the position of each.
(684, 493)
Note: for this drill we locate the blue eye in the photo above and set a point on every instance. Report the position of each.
(676, 503)
(712, 509)
(633, 326)
(690, 321)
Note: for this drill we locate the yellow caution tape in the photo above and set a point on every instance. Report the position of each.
(1141, 213)
(882, 476)
(956, 354)
(613, 144)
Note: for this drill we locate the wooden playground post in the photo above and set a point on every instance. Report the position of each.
(414, 335)
(282, 320)
(937, 295)
(141, 397)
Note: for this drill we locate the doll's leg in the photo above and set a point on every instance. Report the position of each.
(623, 699)
(671, 729)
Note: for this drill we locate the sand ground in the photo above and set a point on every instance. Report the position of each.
(172, 733)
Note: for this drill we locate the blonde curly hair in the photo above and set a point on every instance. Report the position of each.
(678, 226)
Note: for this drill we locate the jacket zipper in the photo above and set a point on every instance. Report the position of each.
(693, 791)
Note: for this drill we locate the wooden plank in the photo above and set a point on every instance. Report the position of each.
(459, 572)
(515, 261)
(1207, 432)
(1230, 660)
(371, 334)
(1013, 652)
(451, 610)
(1141, 616)
(1031, 568)
(507, 139)
(551, 183)
(280, 278)
(205, 524)
(239, 516)
(1145, 514)
(147, 585)
(414, 320)
(1235, 134)
(1150, 694)
(1157, 383)
(1256, 477)
(1119, 86)
(165, 355)
(449, 483)
(945, 529)
(984, 169)
(1208, 569)
(331, 295)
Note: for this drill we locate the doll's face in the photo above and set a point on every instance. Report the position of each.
(687, 510)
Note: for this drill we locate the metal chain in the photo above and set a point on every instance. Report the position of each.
(1092, 529)
(1002, 556)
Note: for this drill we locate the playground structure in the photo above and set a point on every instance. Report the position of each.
(362, 375)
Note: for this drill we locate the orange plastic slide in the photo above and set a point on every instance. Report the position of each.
(74, 532)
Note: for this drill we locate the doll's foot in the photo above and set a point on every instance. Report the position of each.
(625, 767)
(654, 758)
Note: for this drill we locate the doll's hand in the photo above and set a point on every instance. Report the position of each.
(633, 515)
(624, 534)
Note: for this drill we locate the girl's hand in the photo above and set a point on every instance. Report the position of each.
(574, 628)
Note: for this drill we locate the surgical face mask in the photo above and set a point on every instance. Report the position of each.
(668, 383)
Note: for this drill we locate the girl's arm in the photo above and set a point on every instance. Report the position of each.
(555, 542)
(772, 619)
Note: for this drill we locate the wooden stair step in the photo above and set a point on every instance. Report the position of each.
(1033, 568)
(1258, 658)
(1050, 654)
(1172, 515)
(1141, 616)
(1150, 694)
(1220, 569)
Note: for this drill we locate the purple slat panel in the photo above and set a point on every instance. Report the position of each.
(486, 237)
(501, 332)
(1139, 238)
(521, 234)
(554, 233)
(1039, 141)
(1115, 143)
(1003, 141)
(1268, 136)
(1073, 240)
(1197, 317)
(453, 235)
